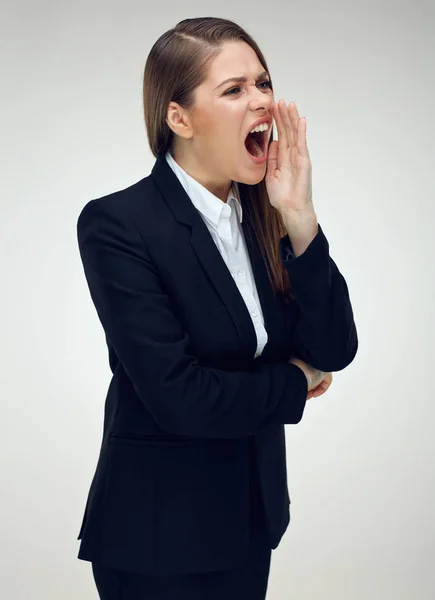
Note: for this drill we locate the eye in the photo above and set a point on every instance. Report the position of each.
(228, 93)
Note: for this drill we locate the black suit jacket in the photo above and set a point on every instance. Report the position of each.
(187, 400)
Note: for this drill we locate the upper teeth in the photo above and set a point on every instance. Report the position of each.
(262, 127)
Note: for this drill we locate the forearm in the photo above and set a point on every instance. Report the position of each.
(325, 334)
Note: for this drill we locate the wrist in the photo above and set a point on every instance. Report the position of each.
(299, 221)
(301, 229)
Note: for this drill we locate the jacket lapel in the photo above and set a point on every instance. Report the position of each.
(270, 306)
(214, 266)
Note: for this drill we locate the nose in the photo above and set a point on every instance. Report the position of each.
(261, 99)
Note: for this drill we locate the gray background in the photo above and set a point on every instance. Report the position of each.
(361, 463)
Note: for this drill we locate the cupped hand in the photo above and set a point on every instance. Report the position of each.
(288, 177)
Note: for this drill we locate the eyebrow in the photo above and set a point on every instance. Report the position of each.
(241, 79)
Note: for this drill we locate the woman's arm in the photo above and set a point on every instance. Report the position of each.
(135, 312)
(325, 335)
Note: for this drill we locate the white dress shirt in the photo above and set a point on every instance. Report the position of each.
(223, 221)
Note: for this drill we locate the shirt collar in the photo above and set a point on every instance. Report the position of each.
(207, 203)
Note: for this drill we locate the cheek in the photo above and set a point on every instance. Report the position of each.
(230, 126)
(221, 126)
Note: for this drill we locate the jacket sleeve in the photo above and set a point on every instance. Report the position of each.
(325, 335)
(135, 312)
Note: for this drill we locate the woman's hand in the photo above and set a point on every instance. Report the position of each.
(314, 376)
(321, 388)
(288, 176)
(318, 381)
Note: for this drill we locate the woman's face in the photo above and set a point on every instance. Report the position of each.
(212, 147)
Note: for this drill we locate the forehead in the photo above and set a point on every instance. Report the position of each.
(235, 59)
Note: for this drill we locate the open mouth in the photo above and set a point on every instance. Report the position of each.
(256, 143)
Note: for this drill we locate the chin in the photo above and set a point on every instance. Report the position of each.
(254, 176)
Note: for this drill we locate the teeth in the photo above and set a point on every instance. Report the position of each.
(262, 127)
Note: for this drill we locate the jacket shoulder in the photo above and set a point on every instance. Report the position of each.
(136, 203)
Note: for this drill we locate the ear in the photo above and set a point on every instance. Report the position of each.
(179, 121)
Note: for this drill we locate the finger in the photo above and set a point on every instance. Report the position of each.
(316, 391)
(294, 117)
(328, 380)
(282, 135)
(300, 127)
(290, 125)
(319, 391)
(283, 117)
(272, 158)
(302, 138)
(310, 393)
(322, 388)
(325, 383)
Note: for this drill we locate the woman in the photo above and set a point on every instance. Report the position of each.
(223, 314)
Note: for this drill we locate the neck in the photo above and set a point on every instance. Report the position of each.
(195, 169)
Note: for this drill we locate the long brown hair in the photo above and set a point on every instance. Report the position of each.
(176, 65)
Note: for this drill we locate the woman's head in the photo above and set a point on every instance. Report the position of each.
(189, 111)
(204, 124)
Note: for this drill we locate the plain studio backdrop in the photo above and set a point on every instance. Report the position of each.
(361, 466)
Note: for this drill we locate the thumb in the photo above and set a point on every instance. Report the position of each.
(272, 157)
